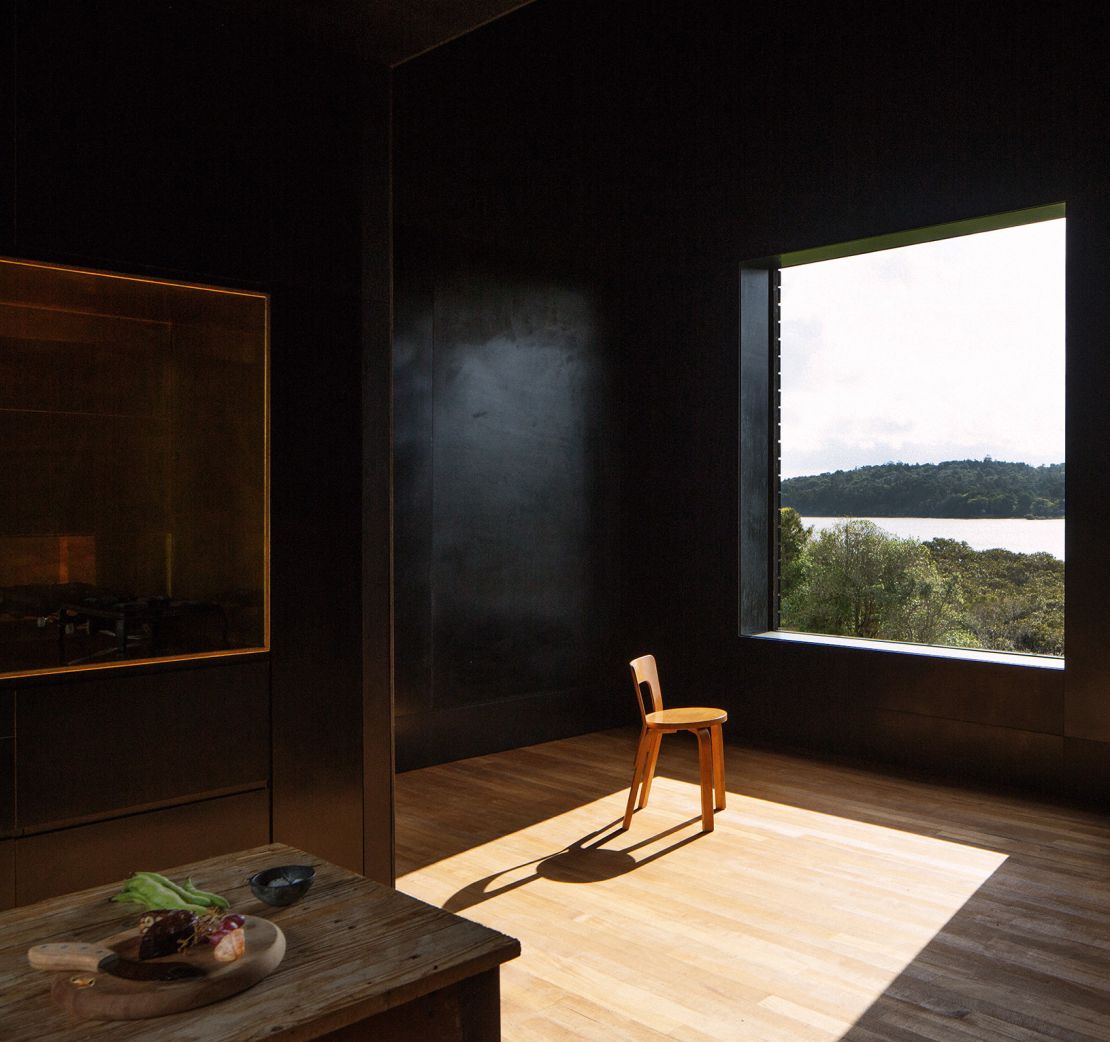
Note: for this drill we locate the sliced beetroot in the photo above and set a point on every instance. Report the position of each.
(165, 932)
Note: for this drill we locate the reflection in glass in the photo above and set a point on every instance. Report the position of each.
(133, 469)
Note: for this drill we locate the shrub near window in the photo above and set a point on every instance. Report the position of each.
(859, 581)
(856, 580)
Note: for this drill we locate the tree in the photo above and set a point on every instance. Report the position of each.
(1013, 602)
(955, 488)
(793, 539)
(860, 581)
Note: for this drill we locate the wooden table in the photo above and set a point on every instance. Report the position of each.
(363, 962)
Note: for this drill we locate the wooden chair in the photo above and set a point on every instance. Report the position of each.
(706, 725)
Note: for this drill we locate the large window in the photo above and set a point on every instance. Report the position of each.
(914, 477)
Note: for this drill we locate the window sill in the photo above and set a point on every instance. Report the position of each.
(1005, 658)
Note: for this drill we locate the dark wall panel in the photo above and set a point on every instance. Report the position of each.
(7, 763)
(507, 508)
(445, 734)
(1087, 771)
(102, 745)
(997, 757)
(507, 403)
(506, 135)
(415, 269)
(522, 457)
(7, 786)
(145, 135)
(7, 127)
(316, 561)
(7, 873)
(1088, 377)
(214, 142)
(71, 859)
(377, 632)
(976, 693)
(377, 480)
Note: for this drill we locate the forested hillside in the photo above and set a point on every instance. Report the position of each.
(957, 488)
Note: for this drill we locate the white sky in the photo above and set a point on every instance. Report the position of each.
(944, 350)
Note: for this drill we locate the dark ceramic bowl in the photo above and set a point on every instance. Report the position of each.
(282, 885)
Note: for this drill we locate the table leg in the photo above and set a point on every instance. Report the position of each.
(469, 1011)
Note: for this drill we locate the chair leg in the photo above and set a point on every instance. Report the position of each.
(656, 740)
(718, 766)
(637, 772)
(705, 763)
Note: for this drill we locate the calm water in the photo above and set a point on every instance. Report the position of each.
(1017, 534)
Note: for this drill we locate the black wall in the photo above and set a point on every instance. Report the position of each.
(507, 406)
(706, 137)
(204, 141)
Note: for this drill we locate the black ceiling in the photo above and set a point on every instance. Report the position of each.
(391, 31)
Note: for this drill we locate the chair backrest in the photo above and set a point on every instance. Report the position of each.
(645, 674)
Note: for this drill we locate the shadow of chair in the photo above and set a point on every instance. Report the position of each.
(586, 860)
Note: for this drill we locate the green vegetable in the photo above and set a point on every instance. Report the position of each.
(152, 895)
(205, 896)
(155, 891)
(157, 880)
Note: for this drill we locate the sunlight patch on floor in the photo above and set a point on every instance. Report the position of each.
(794, 921)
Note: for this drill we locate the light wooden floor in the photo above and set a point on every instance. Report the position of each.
(829, 903)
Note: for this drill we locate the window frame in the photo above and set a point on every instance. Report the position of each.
(760, 432)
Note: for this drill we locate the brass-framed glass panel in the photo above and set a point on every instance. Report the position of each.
(134, 469)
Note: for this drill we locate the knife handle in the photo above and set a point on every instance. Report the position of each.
(68, 955)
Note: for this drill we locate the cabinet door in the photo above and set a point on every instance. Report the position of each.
(7, 787)
(72, 859)
(7, 873)
(100, 747)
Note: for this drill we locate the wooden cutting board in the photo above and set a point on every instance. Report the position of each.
(113, 998)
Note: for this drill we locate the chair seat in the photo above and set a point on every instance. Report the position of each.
(686, 717)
